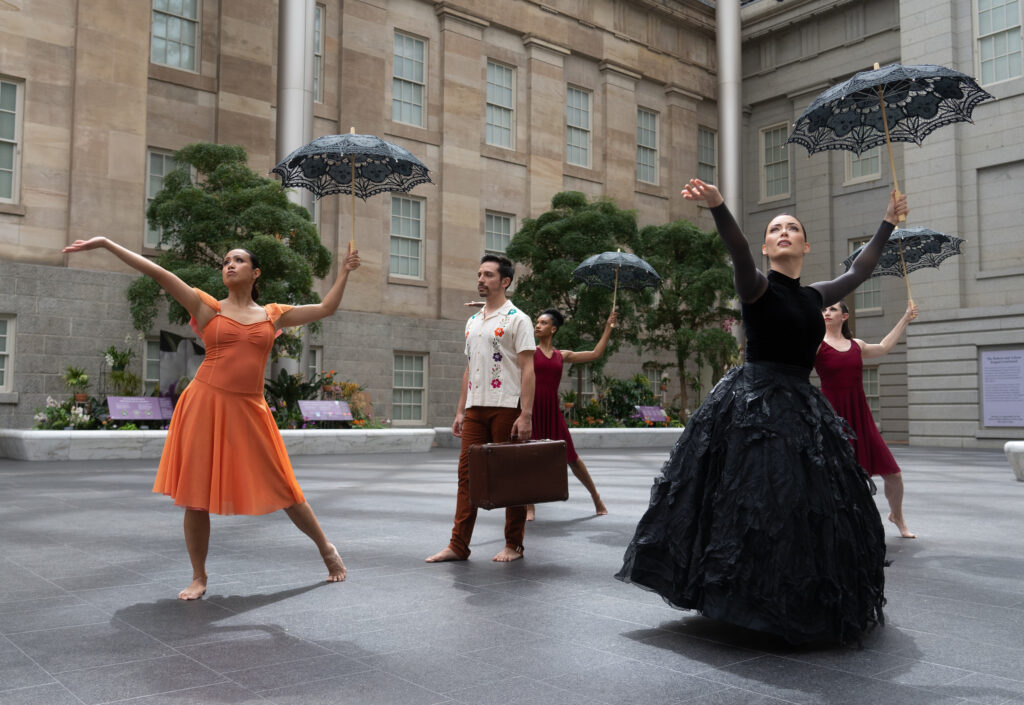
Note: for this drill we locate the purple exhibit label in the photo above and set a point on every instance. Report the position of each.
(654, 414)
(325, 410)
(140, 408)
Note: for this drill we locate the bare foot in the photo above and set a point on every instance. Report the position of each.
(336, 570)
(444, 555)
(530, 513)
(599, 507)
(507, 555)
(902, 526)
(195, 590)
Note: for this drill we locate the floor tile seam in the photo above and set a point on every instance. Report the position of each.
(57, 674)
(138, 698)
(744, 690)
(1003, 647)
(731, 664)
(547, 681)
(916, 593)
(34, 662)
(37, 575)
(40, 685)
(105, 620)
(231, 674)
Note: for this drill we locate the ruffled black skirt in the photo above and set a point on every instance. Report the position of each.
(762, 517)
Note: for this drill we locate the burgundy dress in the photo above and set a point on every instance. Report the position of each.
(842, 384)
(548, 421)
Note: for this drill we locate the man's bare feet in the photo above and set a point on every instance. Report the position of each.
(336, 570)
(599, 507)
(195, 590)
(902, 526)
(445, 555)
(507, 555)
(530, 512)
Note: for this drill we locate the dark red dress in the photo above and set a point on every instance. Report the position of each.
(548, 421)
(842, 384)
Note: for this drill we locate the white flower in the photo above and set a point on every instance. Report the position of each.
(109, 359)
(51, 402)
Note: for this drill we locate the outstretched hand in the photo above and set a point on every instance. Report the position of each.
(897, 207)
(83, 245)
(911, 313)
(697, 190)
(351, 260)
(613, 318)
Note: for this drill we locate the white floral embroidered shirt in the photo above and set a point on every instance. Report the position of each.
(492, 345)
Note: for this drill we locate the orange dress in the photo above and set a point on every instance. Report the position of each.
(224, 453)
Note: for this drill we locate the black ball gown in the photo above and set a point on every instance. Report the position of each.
(761, 516)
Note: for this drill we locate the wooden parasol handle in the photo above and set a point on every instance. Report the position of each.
(352, 187)
(899, 243)
(892, 163)
(615, 290)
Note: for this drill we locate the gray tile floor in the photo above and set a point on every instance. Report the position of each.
(90, 562)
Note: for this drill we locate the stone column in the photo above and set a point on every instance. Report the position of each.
(619, 140)
(545, 118)
(680, 126)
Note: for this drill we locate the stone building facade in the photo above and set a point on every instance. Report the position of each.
(507, 101)
(964, 180)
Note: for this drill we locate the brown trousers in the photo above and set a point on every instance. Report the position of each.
(483, 424)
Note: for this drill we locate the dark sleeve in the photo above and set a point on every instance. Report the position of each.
(862, 268)
(750, 283)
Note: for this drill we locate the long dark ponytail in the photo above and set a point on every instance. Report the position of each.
(255, 262)
(846, 324)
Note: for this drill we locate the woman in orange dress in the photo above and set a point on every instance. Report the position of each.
(224, 453)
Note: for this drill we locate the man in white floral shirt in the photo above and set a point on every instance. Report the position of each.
(496, 403)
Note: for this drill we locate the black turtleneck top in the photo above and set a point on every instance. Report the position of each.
(782, 319)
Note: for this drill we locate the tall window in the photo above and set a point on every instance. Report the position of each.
(588, 391)
(774, 162)
(409, 389)
(314, 361)
(999, 39)
(497, 232)
(160, 165)
(318, 53)
(406, 237)
(868, 296)
(6, 351)
(707, 161)
(175, 33)
(865, 167)
(501, 104)
(10, 140)
(646, 146)
(870, 377)
(577, 122)
(151, 367)
(409, 83)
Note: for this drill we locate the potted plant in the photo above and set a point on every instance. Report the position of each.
(118, 359)
(78, 382)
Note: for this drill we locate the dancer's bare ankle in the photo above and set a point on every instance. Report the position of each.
(336, 571)
(195, 590)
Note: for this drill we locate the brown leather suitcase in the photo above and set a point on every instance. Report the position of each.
(517, 473)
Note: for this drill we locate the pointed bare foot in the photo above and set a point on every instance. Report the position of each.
(507, 555)
(195, 590)
(599, 507)
(530, 513)
(444, 555)
(336, 570)
(902, 526)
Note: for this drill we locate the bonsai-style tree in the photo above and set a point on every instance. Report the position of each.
(691, 315)
(554, 244)
(212, 203)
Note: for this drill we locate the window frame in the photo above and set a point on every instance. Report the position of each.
(588, 131)
(646, 149)
(510, 109)
(149, 380)
(196, 21)
(871, 286)
(713, 165)
(165, 155)
(783, 128)
(319, 30)
(7, 352)
(314, 361)
(978, 39)
(849, 179)
(19, 126)
(402, 80)
(421, 240)
(423, 389)
(490, 216)
(873, 392)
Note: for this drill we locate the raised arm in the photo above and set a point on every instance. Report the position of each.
(598, 352)
(750, 283)
(864, 265)
(168, 281)
(300, 315)
(889, 341)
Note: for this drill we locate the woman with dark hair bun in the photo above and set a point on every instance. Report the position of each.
(223, 452)
(840, 366)
(548, 421)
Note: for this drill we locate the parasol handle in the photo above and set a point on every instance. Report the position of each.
(910, 298)
(352, 187)
(615, 290)
(888, 144)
